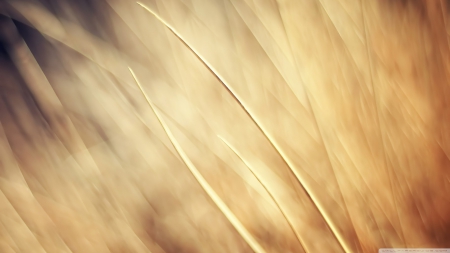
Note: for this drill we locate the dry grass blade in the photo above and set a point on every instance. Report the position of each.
(201, 180)
(286, 159)
(299, 238)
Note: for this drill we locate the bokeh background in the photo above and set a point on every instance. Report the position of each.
(269, 126)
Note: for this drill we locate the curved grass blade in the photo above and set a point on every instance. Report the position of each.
(201, 180)
(302, 243)
(271, 140)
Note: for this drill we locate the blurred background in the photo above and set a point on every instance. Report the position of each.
(171, 126)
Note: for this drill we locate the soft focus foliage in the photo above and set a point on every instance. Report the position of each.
(224, 126)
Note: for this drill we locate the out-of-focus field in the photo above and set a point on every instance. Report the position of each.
(224, 126)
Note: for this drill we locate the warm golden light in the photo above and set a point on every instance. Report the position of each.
(171, 126)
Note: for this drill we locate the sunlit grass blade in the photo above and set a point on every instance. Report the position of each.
(272, 141)
(201, 180)
(267, 190)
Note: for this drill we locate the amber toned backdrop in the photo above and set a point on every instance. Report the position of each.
(224, 126)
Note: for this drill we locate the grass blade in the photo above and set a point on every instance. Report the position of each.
(201, 180)
(285, 158)
(302, 243)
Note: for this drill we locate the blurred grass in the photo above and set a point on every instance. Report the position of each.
(335, 113)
